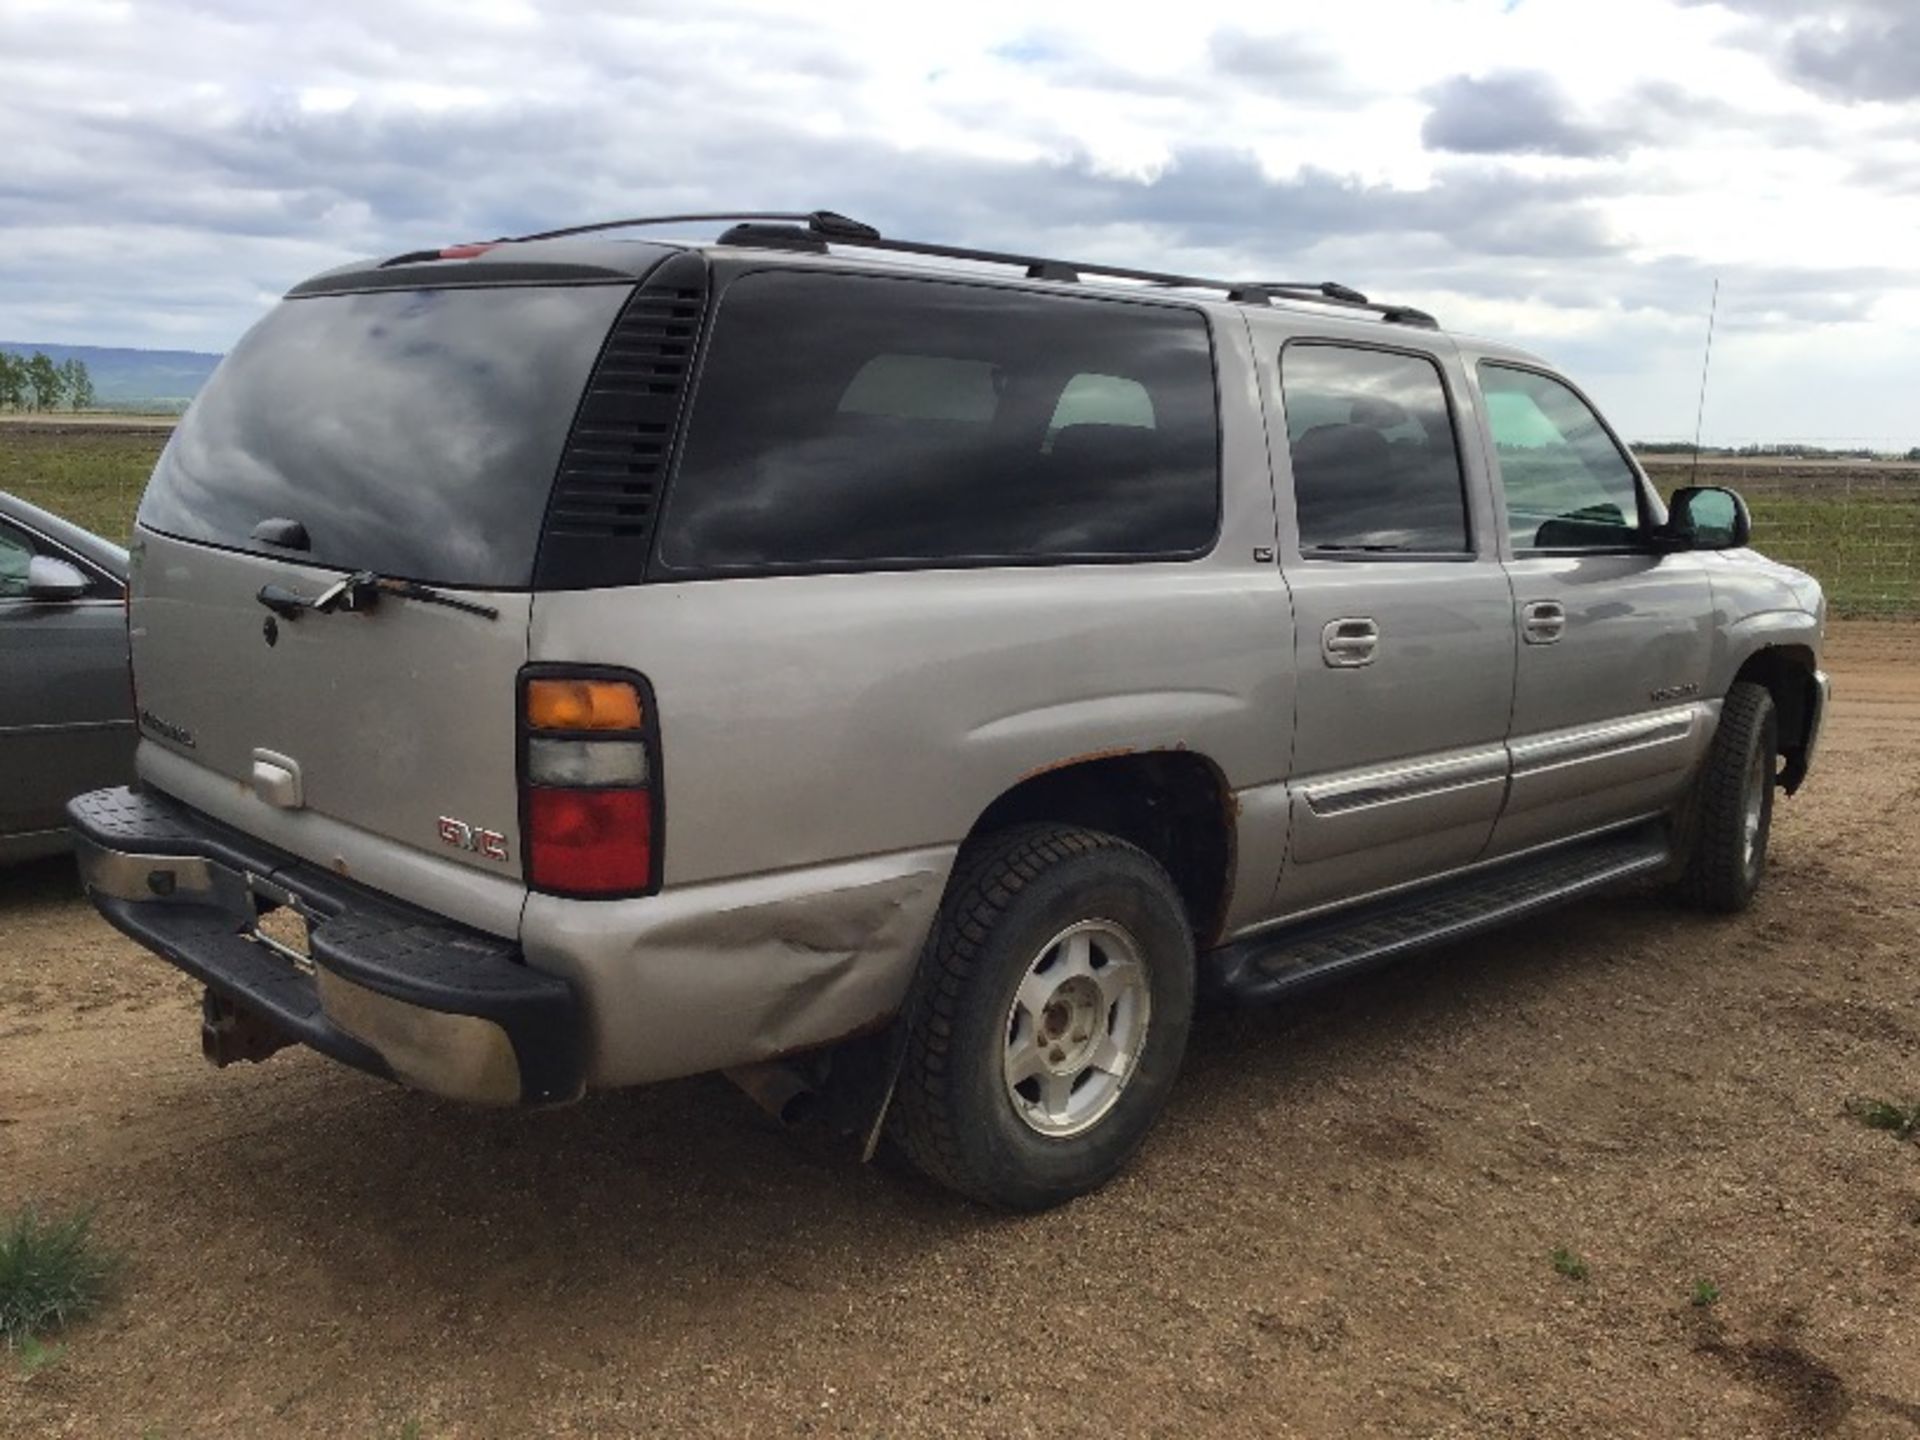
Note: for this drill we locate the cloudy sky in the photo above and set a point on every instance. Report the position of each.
(1569, 174)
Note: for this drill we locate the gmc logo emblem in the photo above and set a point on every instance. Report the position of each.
(462, 836)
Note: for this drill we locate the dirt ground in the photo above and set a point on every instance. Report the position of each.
(1342, 1227)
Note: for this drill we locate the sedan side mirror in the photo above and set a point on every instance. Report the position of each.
(50, 578)
(1708, 517)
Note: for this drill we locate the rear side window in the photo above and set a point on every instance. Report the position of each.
(415, 433)
(16, 555)
(924, 387)
(1568, 487)
(1376, 467)
(857, 420)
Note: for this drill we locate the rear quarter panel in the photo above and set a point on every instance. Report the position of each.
(827, 741)
(812, 718)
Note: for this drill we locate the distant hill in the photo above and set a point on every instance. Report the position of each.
(128, 379)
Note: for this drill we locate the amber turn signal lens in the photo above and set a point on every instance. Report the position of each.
(582, 705)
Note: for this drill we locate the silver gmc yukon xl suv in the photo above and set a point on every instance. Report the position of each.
(902, 677)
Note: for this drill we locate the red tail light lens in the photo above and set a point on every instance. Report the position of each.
(589, 841)
(589, 787)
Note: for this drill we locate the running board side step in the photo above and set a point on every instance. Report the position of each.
(1274, 963)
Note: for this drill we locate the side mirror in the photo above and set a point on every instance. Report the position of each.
(49, 578)
(1708, 517)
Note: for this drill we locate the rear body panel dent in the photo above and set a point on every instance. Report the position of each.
(706, 976)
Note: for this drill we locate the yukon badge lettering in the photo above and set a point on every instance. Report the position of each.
(1669, 693)
(462, 836)
(166, 730)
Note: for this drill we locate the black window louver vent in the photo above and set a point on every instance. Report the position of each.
(599, 526)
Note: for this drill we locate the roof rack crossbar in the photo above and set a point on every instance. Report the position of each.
(839, 229)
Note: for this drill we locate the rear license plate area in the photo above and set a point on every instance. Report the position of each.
(280, 925)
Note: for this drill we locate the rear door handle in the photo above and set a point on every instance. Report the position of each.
(1350, 643)
(1543, 621)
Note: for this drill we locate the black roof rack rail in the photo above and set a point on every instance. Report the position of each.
(780, 229)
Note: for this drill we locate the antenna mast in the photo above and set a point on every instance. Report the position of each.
(1699, 414)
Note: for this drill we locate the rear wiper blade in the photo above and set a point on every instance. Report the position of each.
(362, 591)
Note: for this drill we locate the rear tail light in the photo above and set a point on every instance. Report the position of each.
(589, 787)
(557, 704)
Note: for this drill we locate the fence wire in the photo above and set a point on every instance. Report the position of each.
(1852, 525)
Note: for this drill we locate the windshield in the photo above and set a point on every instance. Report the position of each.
(415, 432)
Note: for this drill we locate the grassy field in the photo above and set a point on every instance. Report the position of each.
(92, 476)
(1865, 550)
(1855, 527)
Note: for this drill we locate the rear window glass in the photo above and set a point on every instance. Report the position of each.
(846, 420)
(414, 433)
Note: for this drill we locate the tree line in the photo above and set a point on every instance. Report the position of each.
(35, 382)
(1791, 450)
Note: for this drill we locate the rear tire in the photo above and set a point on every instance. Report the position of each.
(1733, 804)
(1051, 1019)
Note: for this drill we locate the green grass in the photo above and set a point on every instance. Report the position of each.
(1706, 1294)
(30, 1357)
(1865, 549)
(51, 1274)
(1900, 1121)
(1568, 1264)
(92, 478)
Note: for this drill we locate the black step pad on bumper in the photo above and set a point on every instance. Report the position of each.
(190, 889)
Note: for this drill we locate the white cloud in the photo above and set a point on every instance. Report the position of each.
(1572, 176)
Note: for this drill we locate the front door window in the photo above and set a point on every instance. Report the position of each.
(1568, 487)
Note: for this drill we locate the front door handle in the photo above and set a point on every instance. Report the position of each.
(1543, 621)
(1350, 643)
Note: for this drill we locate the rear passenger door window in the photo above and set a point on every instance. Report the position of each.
(16, 555)
(865, 421)
(1376, 467)
(1568, 487)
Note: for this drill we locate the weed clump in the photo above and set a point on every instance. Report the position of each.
(51, 1274)
(1568, 1264)
(1901, 1121)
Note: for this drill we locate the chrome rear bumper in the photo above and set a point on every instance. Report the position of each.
(386, 988)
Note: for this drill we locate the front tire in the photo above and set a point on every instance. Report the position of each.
(1733, 804)
(1052, 1017)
